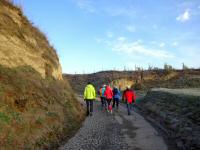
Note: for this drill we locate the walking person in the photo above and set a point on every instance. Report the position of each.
(129, 96)
(116, 97)
(89, 97)
(102, 97)
(109, 95)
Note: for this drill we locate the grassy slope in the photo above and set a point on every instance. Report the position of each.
(177, 114)
(35, 111)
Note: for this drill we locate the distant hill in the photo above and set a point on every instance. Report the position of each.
(137, 79)
(79, 81)
(37, 107)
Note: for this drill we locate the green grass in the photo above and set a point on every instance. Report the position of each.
(4, 118)
(52, 114)
(39, 121)
(17, 116)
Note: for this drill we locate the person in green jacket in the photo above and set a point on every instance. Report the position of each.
(89, 97)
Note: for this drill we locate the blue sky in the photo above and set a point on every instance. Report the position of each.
(95, 35)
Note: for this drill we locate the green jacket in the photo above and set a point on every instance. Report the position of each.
(90, 92)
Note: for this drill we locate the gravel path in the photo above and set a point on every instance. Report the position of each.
(117, 131)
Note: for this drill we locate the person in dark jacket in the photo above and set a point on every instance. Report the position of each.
(116, 97)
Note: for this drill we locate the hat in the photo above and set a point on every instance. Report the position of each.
(128, 87)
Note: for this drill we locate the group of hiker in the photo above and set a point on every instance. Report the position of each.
(109, 98)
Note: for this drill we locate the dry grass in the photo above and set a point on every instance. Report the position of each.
(35, 112)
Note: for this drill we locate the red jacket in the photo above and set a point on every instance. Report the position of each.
(108, 93)
(129, 96)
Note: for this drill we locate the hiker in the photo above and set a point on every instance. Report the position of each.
(109, 95)
(89, 97)
(129, 96)
(102, 97)
(116, 97)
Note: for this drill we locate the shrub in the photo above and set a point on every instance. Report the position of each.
(138, 86)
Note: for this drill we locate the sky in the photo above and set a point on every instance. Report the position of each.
(96, 35)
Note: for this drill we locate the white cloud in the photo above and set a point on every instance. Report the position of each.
(175, 44)
(108, 8)
(119, 10)
(130, 28)
(121, 38)
(138, 48)
(98, 40)
(162, 44)
(86, 5)
(153, 42)
(109, 34)
(184, 17)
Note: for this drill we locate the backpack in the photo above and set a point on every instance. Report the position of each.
(115, 91)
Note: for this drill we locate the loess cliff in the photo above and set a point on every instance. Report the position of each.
(37, 108)
(23, 44)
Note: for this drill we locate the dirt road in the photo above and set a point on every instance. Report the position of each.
(117, 131)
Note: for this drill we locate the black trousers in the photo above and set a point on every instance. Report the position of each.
(89, 104)
(115, 100)
(103, 102)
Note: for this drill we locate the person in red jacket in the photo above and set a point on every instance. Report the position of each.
(108, 95)
(130, 97)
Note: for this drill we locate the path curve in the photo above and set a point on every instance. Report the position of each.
(116, 131)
